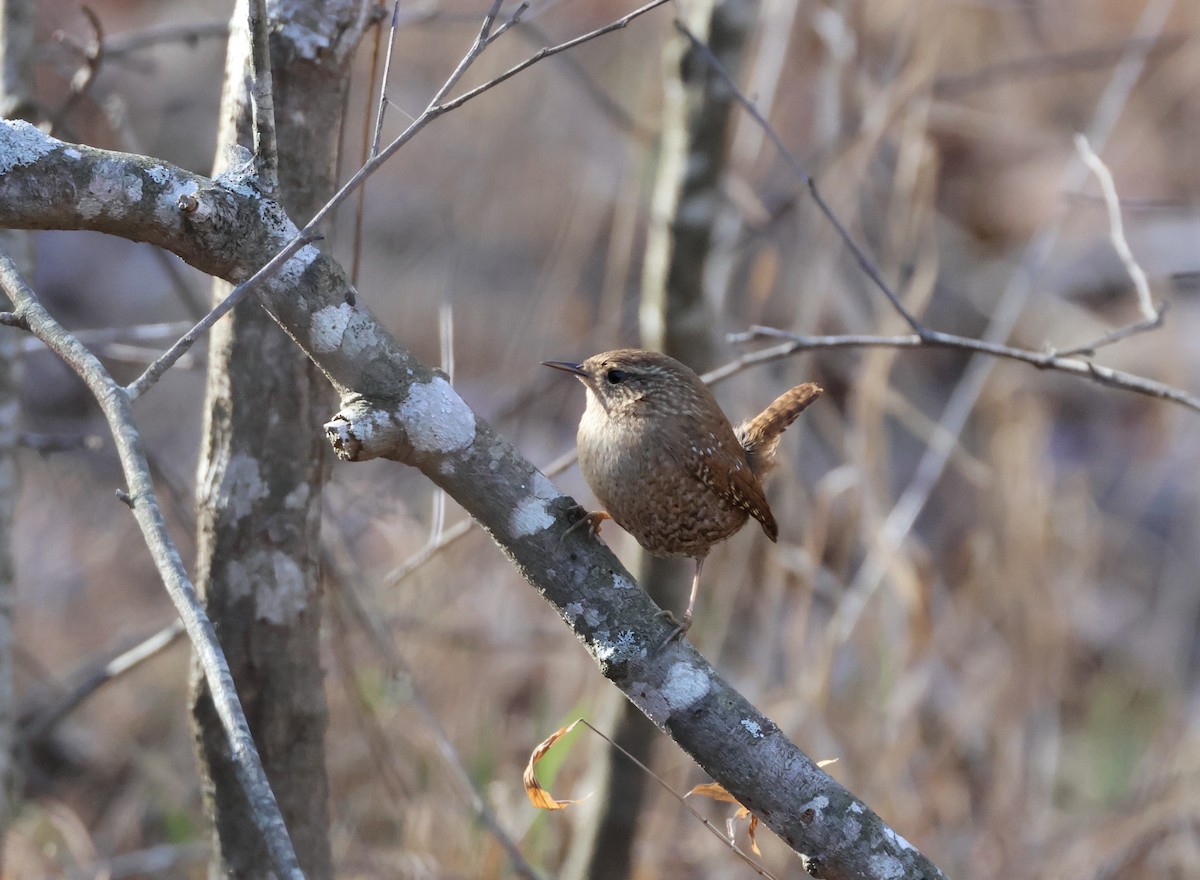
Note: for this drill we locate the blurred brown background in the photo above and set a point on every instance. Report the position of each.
(1014, 687)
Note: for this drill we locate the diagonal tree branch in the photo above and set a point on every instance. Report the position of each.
(395, 407)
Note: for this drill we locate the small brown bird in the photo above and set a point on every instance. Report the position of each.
(664, 460)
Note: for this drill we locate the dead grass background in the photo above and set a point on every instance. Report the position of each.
(1019, 693)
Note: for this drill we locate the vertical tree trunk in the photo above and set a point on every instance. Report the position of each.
(260, 469)
(676, 315)
(677, 318)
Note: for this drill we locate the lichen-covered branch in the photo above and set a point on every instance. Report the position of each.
(395, 407)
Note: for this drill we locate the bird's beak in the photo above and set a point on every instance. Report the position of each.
(567, 367)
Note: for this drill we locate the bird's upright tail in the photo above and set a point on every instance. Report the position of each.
(760, 436)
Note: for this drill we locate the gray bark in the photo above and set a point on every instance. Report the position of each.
(261, 469)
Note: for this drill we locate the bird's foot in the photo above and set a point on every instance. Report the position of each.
(681, 627)
(590, 519)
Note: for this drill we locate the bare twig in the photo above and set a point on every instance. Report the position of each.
(366, 148)
(155, 371)
(547, 52)
(865, 263)
(482, 40)
(93, 679)
(962, 401)
(899, 521)
(262, 99)
(712, 829)
(1152, 317)
(435, 109)
(115, 404)
(381, 640)
(81, 83)
(383, 83)
(1046, 360)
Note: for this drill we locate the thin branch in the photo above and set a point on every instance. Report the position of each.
(683, 802)
(118, 46)
(1044, 360)
(903, 515)
(81, 83)
(482, 39)
(309, 233)
(367, 148)
(382, 641)
(860, 256)
(547, 52)
(92, 680)
(383, 84)
(155, 371)
(1116, 227)
(1152, 317)
(262, 99)
(962, 400)
(118, 412)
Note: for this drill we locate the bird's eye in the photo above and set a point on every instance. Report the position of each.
(615, 377)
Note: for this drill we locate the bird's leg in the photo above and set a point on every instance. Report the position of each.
(685, 624)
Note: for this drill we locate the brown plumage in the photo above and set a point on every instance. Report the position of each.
(664, 460)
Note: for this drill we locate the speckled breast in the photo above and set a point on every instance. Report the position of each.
(653, 494)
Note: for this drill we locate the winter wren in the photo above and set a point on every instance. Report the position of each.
(664, 460)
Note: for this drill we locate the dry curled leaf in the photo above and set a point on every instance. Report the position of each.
(713, 790)
(717, 792)
(538, 796)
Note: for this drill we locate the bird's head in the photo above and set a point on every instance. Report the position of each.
(631, 381)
